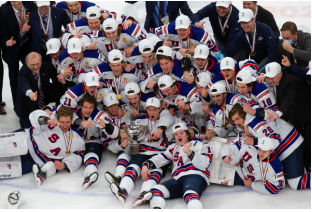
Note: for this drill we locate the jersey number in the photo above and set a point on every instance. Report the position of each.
(267, 102)
(267, 132)
(67, 102)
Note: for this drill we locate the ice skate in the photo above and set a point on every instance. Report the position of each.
(143, 197)
(89, 180)
(120, 194)
(40, 176)
(112, 178)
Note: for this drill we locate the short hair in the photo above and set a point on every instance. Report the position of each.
(101, 18)
(237, 108)
(89, 99)
(32, 55)
(289, 26)
(108, 28)
(160, 57)
(65, 111)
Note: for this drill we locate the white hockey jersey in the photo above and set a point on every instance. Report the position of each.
(197, 120)
(212, 67)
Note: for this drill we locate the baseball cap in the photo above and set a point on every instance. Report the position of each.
(179, 126)
(74, 45)
(309, 71)
(182, 22)
(146, 44)
(272, 69)
(115, 56)
(225, 4)
(203, 79)
(165, 80)
(164, 50)
(110, 23)
(201, 51)
(218, 88)
(53, 45)
(245, 76)
(227, 63)
(245, 15)
(92, 79)
(183, 98)
(155, 102)
(265, 143)
(132, 88)
(93, 12)
(110, 99)
(43, 3)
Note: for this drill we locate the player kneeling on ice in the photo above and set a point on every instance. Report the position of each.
(53, 145)
(191, 159)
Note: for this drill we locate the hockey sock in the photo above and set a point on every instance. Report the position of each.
(91, 162)
(299, 183)
(160, 192)
(49, 169)
(153, 179)
(132, 173)
(191, 199)
(122, 163)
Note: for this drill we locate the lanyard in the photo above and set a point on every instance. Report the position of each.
(204, 69)
(264, 172)
(72, 14)
(187, 42)
(117, 84)
(224, 117)
(68, 142)
(45, 30)
(192, 120)
(227, 19)
(253, 40)
(117, 121)
(150, 128)
(231, 90)
(79, 66)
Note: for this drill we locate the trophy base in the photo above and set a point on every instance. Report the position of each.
(134, 149)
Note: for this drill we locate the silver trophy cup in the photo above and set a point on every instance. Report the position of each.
(135, 134)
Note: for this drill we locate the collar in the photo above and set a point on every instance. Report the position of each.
(16, 11)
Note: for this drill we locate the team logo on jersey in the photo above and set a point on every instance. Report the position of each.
(124, 40)
(225, 182)
(260, 38)
(9, 166)
(14, 144)
(125, 80)
(100, 96)
(87, 64)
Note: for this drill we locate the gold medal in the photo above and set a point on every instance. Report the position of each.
(67, 152)
(118, 96)
(150, 140)
(224, 126)
(222, 33)
(45, 36)
(253, 53)
(263, 181)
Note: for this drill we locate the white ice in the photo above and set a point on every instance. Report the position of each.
(63, 189)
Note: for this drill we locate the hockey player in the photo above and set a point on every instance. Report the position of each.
(190, 175)
(286, 141)
(261, 168)
(203, 84)
(54, 49)
(156, 140)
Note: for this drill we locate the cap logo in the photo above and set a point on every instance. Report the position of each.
(269, 69)
(152, 101)
(93, 78)
(243, 14)
(180, 21)
(74, 45)
(227, 63)
(111, 98)
(200, 51)
(262, 142)
(50, 46)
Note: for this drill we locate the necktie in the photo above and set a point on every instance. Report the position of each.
(40, 96)
(44, 37)
(21, 18)
(161, 12)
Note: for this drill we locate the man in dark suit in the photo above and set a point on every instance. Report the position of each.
(13, 18)
(294, 103)
(159, 13)
(45, 23)
(34, 89)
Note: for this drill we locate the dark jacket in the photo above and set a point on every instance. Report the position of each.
(264, 16)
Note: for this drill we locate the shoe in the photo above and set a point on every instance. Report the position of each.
(2, 110)
(2, 104)
(112, 178)
(89, 180)
(40, 176)
(143, 197)
(120, 194)
(14, 200)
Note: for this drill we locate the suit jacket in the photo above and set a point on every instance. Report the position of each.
(24, 106)
(9, 27)
(172, 10)
(294, 99)
(59, 19)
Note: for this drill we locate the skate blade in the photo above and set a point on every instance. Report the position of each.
(36, 171)
(147, 196)
(93, 179)
(115, 189)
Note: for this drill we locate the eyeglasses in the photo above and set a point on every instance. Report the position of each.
(34, 65)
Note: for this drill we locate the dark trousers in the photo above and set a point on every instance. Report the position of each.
(305, 131)
(1, 76)
(25, 123)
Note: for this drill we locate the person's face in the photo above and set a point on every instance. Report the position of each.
(223, 11)
(148, 57)
(34, 64)
(77, 56)
(181, 137)
(134, 100)
(44, 9)
(65, 123)
(249, 5)
(113, 109)
(264, 154)
(116, 68)
(199, 89)
(112, 36)
(55, 55)
(74, 6)
(243, 89)
(248, 27)
(228, 74)
(94, 24)
(201, 62)
(183, 33)
(238, 121)
(219, 98)
(153, 112)
(91, 90)
(17, 4)
(166, 65)
(172, 111)
(275, 80)
(87, 109)
(168, 91)
(288, 36)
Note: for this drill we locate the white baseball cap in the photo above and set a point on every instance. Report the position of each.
(201, 51)
(183, 98)
(272, 69)
(91, 79)
(182, 22)
(227, 63)
(146, 44)
(218, 88)
(244, 76)
(115, 56)
(265, 143)
(110, 23)
(132, 88)
(93, 12)
(179, 126)
(53, 45)
(43, 3)
(164, 50)
(165, 80)
(155, 102)
(74, 45)
(225, 4)
(309, 71)
(245, 15)
(110, 99)
(203, 79)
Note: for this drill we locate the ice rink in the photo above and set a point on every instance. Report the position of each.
(62, 191)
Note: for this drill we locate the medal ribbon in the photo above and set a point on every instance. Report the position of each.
(204, 69)
(227, 19)
(117, 84)
(45, 30)
(192, 120)
(187, 42)
(223, 113)
(68, 142)
(150, 128)
(263, 173)
(231, 90)
(253, 40)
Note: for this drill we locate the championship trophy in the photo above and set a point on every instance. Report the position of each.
(135, 134)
